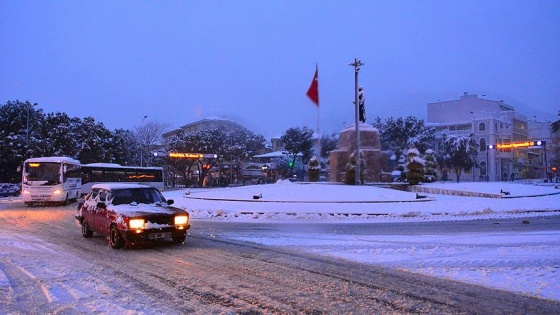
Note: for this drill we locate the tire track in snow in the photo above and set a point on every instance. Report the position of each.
(29, 294)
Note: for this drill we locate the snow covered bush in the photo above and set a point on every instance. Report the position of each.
(415, 166)
(314, 169)
(401, 167)
(350, 170)
(431, 173)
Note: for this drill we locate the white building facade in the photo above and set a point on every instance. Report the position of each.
(490, 123)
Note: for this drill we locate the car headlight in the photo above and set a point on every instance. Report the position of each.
(136, 223)
(181, 220)
(57, 192)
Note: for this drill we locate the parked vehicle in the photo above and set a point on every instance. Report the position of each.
(131, 213)
(7, 189)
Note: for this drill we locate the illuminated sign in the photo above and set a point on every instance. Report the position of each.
(519, 144)
(516, 145)
(180, 155)
(186, 155)
(34, 164)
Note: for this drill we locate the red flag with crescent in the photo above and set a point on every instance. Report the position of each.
(313, 92)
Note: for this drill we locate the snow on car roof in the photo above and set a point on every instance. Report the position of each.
(111, 186)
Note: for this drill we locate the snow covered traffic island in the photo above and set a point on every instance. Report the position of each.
(327, 201)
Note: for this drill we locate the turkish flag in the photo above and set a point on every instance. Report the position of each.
(313, 92)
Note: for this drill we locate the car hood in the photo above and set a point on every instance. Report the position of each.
(138, 210)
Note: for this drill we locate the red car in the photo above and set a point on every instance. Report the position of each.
(130, 213)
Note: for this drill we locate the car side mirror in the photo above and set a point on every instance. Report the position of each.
(101, 205)
(170, 202)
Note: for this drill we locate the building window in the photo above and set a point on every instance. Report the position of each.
(482, 144)
(482, 127)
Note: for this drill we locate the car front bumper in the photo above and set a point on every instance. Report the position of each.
(134, 236)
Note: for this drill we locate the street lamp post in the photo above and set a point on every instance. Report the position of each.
(488, 148)
(357, 64)
(27, 129)
(473, 135)
(141, 144)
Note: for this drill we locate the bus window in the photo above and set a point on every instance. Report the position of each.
(97, 176)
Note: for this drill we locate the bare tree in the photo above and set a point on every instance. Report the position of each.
(149, 137)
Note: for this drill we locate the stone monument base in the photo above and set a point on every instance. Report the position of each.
(370, 146)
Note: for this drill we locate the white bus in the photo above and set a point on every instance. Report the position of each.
(95, 173)
(53, 179)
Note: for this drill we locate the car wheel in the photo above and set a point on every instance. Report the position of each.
(115, 238)
(179, 239)
(86, 232)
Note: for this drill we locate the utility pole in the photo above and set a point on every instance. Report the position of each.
(27, 130)
(357, 64)
(141, 143)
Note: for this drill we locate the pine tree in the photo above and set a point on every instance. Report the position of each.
(431, 173)
(314, 169)
(415, 166)
(401, 167)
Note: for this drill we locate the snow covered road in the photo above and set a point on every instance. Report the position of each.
(227, 261)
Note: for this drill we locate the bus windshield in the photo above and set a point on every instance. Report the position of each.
(46, 172)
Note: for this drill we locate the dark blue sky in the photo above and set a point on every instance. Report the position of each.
(253, 61)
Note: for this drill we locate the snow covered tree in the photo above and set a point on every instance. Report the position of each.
(350, 169)
(328, 144)
(19, 137)
(431, 173)
(237, 143)
(415, 166)
(460, 153)
(124, 148)
(401, 167)
(555, 126)
(398, 134)
(314, 169)
(58, 136)
(148, 135)
(555, 141)
(93, 138)
(298, 141)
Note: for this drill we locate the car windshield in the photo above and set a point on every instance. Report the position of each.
(137, 195)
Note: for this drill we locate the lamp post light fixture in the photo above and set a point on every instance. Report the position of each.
(357, 64)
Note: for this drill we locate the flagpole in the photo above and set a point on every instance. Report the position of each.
(313, 94)
(318, 118)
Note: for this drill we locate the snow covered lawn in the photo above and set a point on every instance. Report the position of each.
(523, 262)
